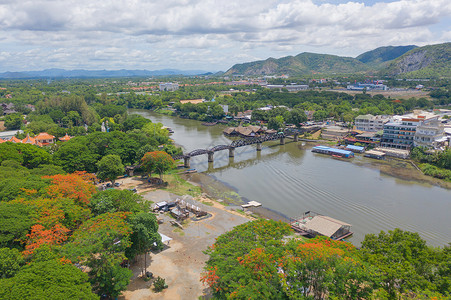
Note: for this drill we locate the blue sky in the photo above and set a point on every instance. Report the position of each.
(210, 35)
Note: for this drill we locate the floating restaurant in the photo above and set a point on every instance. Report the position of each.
(312, 224)
(333, 151)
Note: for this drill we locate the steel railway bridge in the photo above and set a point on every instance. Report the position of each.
(258, 140)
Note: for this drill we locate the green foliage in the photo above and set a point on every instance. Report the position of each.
(13, 121)
(106, 233)
(47, 280)
(113, 200)
(134, 122)
(276, 123)
(403, 260)
(15, 222)
(108, 278)
(27, 155)
(296, 116)
(110, 167)
(144, 235)
(159, 284)
(11, 260)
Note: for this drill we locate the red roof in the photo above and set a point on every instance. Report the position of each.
(15, 140)
(28, 140)
(2, 140)
(44, 136)
(65, 138)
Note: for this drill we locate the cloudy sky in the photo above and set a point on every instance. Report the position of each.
(208, 35)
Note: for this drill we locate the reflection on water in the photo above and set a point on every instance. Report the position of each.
(290, 179)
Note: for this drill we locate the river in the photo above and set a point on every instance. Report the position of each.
(290, 179)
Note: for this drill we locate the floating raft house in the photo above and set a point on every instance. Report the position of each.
(312, 224)
(333, 151)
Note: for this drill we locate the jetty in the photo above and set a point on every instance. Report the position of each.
(312, 224)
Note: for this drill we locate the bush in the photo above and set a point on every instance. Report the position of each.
(159, 284)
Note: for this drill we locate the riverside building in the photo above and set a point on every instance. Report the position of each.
(403, 134)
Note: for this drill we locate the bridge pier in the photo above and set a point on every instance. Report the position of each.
(186, 162)
(210, 156)
(296, 137)
(210, 166)
(259, 146)
(231, 152)
(282, 140)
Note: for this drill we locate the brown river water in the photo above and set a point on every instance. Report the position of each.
(289, 179)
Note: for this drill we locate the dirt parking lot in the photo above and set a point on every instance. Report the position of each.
(181, 263)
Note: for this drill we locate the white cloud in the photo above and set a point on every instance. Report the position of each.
(152, 34)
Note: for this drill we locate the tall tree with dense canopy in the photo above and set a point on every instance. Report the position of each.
(158, 161)
(110, 167)
(47, 280)
(144, 236)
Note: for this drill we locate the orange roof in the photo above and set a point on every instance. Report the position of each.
(15, 140)
(2, 140)
(65, 138)
(44, 136)
(28, 140)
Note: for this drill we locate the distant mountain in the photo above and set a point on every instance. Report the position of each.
(62, 73)
(428, 61)
(381, 56)
(301, 64)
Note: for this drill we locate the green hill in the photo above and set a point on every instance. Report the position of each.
(432, 61)
(301, 64)
(380, 57)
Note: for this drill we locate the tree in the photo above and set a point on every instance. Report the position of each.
(117, 200)
(47, 280)
(402, 258)
(77, 186)
(296, 116)
(13, 121)
(10, 262)
(228, 271)
(16, 220)
(275, 123)
(108, 278)
(144, 236)
(110, 167)
(158, 161)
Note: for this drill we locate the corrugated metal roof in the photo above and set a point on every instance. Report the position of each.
(324, 225)
(359, 148)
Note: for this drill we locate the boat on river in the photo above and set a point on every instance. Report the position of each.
(312, 224)
(189, 171)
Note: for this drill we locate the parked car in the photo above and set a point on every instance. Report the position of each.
(117, 184)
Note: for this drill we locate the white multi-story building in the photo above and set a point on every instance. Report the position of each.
(370, 122)
(416, 129)
(169, 86)
(430, 134)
